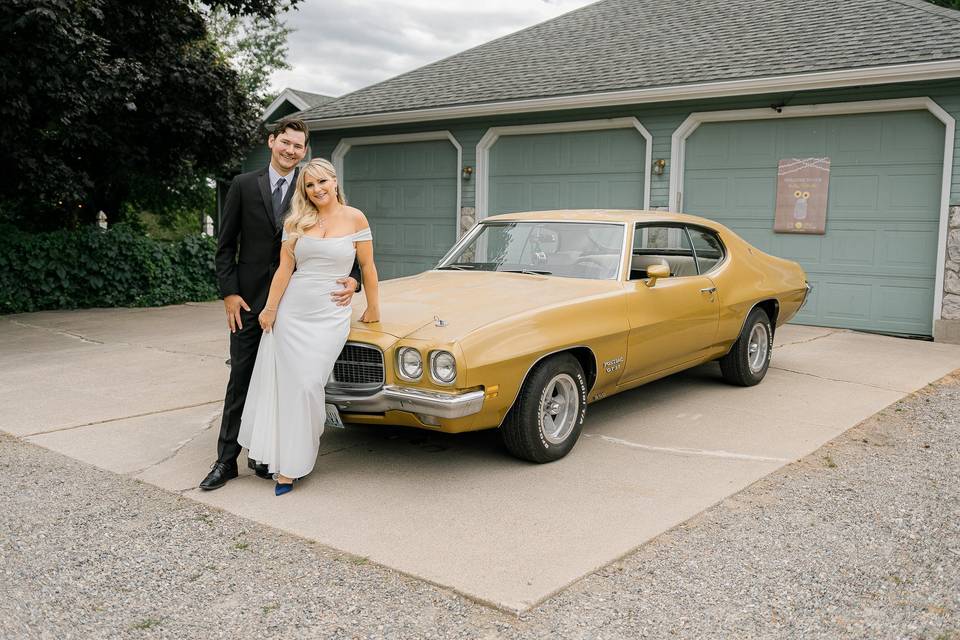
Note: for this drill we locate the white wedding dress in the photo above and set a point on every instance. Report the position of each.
(283, 417)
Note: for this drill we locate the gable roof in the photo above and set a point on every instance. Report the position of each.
(299, 99)
(644, 50)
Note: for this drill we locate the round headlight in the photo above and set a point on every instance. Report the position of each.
(443, 367)
(411, 364)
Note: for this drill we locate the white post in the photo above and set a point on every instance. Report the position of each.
(207, 226)
(102, 220)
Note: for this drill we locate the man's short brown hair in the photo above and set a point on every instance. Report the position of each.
(295, 124)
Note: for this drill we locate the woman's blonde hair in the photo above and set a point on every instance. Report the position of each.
(303, 213)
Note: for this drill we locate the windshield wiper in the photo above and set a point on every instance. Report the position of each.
(458, 267)
(529, 272)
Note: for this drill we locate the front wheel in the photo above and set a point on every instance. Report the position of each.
(749, 358)
(548, 416)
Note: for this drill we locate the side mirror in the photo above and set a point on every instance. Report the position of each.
(655, 271)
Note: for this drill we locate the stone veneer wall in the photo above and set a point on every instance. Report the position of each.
(951, 276)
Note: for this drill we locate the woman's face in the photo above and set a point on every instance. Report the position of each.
(321, 188)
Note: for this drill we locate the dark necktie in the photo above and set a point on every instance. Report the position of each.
(278, 200)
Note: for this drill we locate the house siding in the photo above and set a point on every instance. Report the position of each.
(661, 120)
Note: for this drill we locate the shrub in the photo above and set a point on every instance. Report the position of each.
(90, 267)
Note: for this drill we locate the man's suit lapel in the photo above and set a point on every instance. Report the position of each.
(263, 180)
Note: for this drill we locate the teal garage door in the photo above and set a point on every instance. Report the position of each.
(570, 170)
(408, 192)
(875, 268)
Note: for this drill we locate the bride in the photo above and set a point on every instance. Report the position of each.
(304, 330)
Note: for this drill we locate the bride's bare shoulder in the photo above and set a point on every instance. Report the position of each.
(359, 220)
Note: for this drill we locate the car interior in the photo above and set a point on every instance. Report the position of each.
(670, 246)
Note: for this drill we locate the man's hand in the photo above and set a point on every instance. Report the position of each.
(343, 296)
(233, 304)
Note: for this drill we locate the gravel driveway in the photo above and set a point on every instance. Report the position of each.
(860, 539)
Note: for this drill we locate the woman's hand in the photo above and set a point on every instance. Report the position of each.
(267, 317)
(372, 314)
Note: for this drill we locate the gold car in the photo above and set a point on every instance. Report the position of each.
(531, 316)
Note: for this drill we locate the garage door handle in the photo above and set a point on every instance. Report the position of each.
(708, 290)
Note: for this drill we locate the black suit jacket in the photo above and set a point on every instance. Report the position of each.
(248, 246)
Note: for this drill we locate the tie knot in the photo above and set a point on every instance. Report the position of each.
(280, 182)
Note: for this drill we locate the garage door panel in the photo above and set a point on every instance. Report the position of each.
(545, 194)
(908, 250)
(850, 248)
(853, 193)
(580, 169)
(903, 304)
(805, 138)
(706, 194)
(624, 194)
(874, 268)
(803, 249)
(408, 192)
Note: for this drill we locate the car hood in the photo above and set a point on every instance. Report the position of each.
(466, 300)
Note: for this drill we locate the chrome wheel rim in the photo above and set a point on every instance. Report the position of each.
(757, 347)
(559, 406)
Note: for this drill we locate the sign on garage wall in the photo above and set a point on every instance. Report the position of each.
(802, 187)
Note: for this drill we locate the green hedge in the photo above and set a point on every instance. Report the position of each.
(91, 267)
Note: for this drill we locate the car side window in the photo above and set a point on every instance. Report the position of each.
(665, 245)
(708, 248)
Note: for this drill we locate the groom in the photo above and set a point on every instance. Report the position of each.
(252, 218)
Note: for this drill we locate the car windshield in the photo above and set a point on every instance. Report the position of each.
(567, 249)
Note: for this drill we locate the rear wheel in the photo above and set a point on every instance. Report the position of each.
(548, 416)
(747, 362)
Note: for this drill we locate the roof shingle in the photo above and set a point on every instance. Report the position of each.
(617, 45)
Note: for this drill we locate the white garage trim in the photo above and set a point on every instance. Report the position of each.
(493, 134)
(341, 150)
(686, 129)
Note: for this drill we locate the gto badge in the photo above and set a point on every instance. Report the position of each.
(612, 365)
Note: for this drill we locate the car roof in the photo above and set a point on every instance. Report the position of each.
(602, 215)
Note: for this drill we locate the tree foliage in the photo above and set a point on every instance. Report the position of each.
(115, 104)
(254, 46)
(950, 4)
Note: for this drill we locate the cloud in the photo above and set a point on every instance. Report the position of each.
(339, 46)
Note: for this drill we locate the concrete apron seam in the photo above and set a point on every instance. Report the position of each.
(813, 339)
(684, 451)
(82, 338)
(61, 332)
(207, 424)
(109, 420)
(862, 384)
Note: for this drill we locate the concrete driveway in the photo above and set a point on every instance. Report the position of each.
(138, 392)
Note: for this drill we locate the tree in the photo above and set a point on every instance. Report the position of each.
(254, 46)
(950, 4)
(113, 103)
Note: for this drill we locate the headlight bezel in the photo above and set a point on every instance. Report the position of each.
(434, 354)
(400, 370)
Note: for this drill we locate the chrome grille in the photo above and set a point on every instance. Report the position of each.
(358, 366)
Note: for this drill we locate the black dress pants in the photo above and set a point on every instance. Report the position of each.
(243, 353)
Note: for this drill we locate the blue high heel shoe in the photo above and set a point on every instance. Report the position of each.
(280, 489)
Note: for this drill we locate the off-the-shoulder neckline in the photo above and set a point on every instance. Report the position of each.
(355, 233)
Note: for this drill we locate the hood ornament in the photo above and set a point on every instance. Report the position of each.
(437, 322)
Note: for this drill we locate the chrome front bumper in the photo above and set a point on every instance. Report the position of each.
(432, 404)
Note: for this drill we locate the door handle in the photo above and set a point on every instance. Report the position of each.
(708, 290)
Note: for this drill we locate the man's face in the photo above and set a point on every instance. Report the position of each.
(287, 150)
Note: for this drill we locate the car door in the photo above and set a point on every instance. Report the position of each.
(674, 320)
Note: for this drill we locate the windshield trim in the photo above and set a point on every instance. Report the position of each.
(478, 228)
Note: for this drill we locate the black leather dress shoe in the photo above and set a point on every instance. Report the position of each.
(262, 470)
(220, 472)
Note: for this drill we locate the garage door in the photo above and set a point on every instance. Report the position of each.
(572, 170)
(875, 267)
(408, 192)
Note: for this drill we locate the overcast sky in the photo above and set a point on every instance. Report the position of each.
(339, 46)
